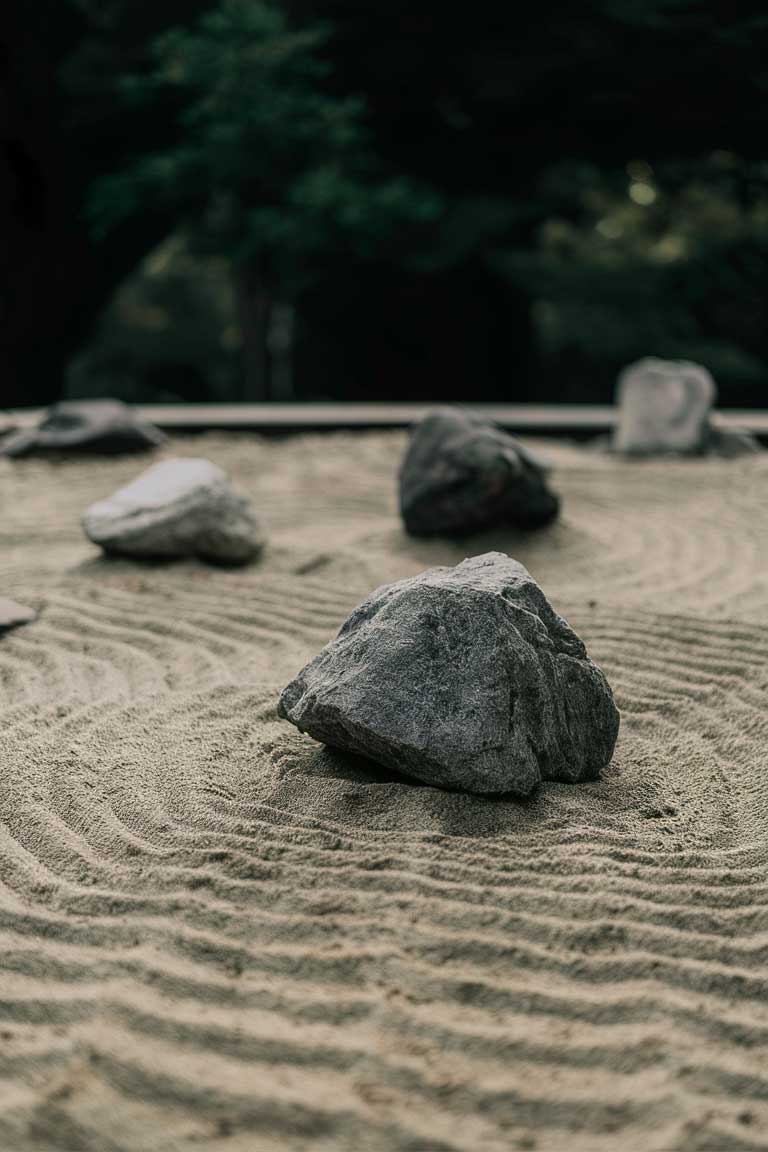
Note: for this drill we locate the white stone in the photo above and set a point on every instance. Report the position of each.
(664, 406)
(181, 507)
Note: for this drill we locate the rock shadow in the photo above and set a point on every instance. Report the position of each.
(349, 790)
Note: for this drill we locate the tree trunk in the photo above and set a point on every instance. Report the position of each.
(280, 346)
(254, 308)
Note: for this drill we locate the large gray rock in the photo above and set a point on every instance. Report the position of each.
(184, 507)
(108, 427)
(462, 475)
(664, 406)
(12, 614)
(464, 677)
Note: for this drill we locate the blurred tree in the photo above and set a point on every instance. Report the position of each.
(168, 333)
(673, 260)
(33, 40)
(63, 121)
(518, 116)
(267, 167)
(510, 118)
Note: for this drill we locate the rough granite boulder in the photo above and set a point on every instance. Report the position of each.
(463, 677)
(461, 474)
(12, 614)
(108, 427)
(181, 507)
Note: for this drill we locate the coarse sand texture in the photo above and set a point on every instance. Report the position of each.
(217, 934)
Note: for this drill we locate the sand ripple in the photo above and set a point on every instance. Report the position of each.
(215, 934)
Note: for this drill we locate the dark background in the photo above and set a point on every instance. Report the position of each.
(596, 176)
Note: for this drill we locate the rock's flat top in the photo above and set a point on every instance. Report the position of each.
(13, 614)
(461, 474)
(664, 406)
(464, 677)
(179, 507)
(106, 427)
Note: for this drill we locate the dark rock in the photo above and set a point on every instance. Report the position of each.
(462, 475)
(730, 443)
(12, 615)
(464, 677)
(108, 427)
(184, 507)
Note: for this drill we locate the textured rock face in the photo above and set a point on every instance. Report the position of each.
(101, 426)
(463, 677)
(178, 508)
(12, 614)
(462, 475)
(664, 406)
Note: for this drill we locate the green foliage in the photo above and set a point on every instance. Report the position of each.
(269, 166)
(647, 13)
(480, 170)
(671, 260)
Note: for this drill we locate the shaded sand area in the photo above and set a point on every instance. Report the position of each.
(215, 934)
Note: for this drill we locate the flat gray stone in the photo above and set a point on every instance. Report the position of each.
(731, 443)
(106, 427)
(461, 474)
(463, 677)
(664, 407)
(12, 614)
(181, 507)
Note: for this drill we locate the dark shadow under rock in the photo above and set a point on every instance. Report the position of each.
(14, 615)
(350, 793)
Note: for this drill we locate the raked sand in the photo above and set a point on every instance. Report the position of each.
(215, 934)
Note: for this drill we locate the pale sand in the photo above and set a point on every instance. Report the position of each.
(216, 935)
